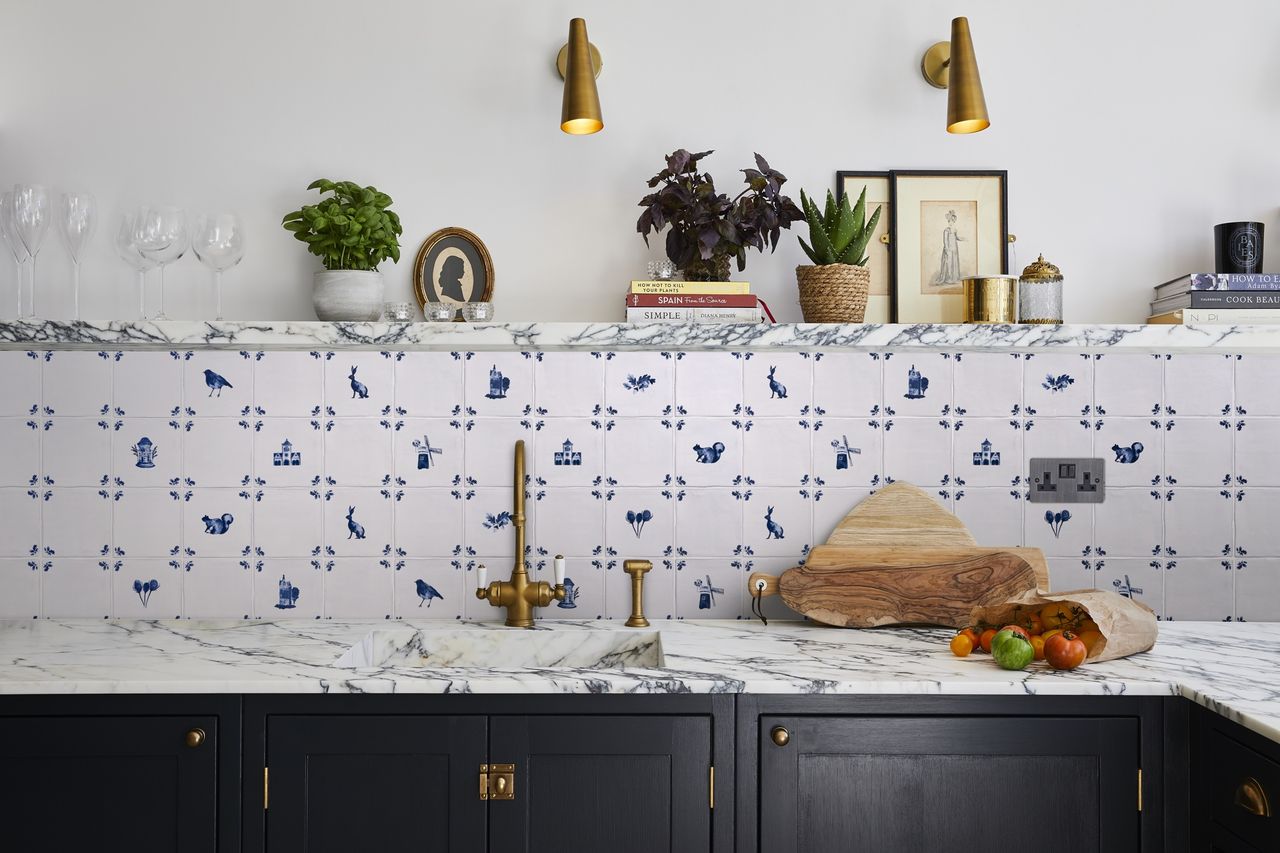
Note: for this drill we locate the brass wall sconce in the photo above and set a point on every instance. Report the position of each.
(953, 66)
(579, 64)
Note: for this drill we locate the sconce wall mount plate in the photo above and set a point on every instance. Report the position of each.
(936, 65)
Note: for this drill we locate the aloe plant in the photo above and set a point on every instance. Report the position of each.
(840, 234)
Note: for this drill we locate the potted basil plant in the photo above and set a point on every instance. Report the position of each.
(352, 230)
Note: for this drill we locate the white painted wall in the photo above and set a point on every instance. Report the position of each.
(1128, 128)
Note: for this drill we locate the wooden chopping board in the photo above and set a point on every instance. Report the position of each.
(899, 558)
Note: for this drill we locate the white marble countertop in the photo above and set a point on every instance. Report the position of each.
(303, 335)
(1227, 667)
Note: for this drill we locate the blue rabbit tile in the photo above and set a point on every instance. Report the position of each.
(777, 522)
(359, 384)
(358, 522)
(778, 384)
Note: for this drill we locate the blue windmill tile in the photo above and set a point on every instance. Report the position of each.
(288, 384)
(639, 384)
(709, 522)
(1057, 384)
(641, 451)
(1132, 523)
(989, 384)
(831, 506)
(290, 588)
(358, 589)
(77, 383)
(918, 451)
(1199, 384)
(1067, 574)
(567, 521)
(659, 593)
(1139, 579)
(489, 450)
(568, 452)
(777, 522)
(357, 452)
(1256, 529)
(499, 384)
(428, 452)
(218, 589)
(21, 372)
(20, 462)
(709, 384)
(1198, 451)
(217, 522)
(147, 384)
(428, 384)
(77, 522)
(430, 590)
(288, 522)
(358, 384)
(146, 522)
(987, 452)
(1199, 590)
(148, 451)
(585, 591)
(847, 384)
(1133, 449)
(918, 384)
(1128, 384)
(1258, 590)
(993, 516)
(1255, 385)
(358, 522)
(146, 589)
(76, 451)
(1257, 446)
(215, 452)
(847, 453)
(20, 511)
(75, 589)
(776, 452)
(1060, 530)
(708, 451)
(779, 384)
(429, 522)
(710, 589)
(569, 384)
(1198, 522)
(19, 590)
(288, 452)
(217, 383)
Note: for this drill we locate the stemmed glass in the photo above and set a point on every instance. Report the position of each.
(218, 241)
(31, 222)
(77, 219)
(9, 231)
(160, 233)
(127, 248)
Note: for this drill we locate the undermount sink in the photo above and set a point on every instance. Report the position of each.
(499, 648)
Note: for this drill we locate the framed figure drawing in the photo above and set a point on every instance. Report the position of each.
(453, 265)
(879, 254)
(945, 227)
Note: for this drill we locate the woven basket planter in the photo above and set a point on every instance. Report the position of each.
(833, 293)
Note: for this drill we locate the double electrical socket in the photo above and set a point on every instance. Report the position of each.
(1067, 481)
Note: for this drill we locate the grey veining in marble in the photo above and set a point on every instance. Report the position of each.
(265, 335)
(1227, 667)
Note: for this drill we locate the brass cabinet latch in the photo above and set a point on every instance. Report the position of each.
(497, 781)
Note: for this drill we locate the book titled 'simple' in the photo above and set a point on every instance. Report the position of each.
(693, 315)
(690, 287)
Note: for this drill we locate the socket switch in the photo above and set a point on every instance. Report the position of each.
(1067, 481)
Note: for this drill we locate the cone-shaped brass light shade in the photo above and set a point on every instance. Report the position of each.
(966, 106)
(580, 112)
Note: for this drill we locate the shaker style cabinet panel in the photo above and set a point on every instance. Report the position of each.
(1067, 785)
(338, 784)
(145, 784)
(585, 784)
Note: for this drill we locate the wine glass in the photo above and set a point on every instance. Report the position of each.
(127, 248)
(218, 241)
(77, 219)
(160, 234)
(31, 222)
(9, 232)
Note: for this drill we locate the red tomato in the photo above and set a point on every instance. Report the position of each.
(1065, 651)
(986, 638)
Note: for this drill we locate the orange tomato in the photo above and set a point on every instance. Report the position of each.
(975, 639)
(985, 639)
(961, 645)
(1037, 647)
(1090, 637)
(1054, 614)
(1065, 651)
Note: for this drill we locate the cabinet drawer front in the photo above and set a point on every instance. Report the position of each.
(1233, 769)
(928, 783)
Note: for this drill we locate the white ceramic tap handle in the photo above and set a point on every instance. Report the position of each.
(482, 576)
(559, 569)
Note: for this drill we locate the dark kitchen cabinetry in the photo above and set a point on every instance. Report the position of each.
(143, 774)
(1236, 775)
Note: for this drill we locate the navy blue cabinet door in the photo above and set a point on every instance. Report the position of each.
(858, 784)
(410, 783)
(71, 784)
(586, 784)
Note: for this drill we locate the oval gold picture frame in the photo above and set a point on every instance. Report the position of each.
(424, 288)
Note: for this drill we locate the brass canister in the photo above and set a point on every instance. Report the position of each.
(991, 299)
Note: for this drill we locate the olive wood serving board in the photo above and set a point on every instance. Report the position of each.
(899, 558)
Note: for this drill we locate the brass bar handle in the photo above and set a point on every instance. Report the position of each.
(195, 738)
(1252, 797)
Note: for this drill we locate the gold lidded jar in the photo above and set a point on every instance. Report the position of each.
(1040, 293)
(991, 299)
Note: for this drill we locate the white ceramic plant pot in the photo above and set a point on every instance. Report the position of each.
(350, 295)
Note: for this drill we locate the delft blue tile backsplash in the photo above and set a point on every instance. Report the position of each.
(362, 484)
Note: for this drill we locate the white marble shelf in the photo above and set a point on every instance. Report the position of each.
(1226, 667)
(300, 335)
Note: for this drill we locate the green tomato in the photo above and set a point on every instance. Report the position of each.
(1011, 650)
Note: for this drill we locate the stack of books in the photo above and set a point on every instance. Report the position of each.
(692, 302)
(1218, 298)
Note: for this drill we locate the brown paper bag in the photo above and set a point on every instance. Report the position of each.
(1127, 626)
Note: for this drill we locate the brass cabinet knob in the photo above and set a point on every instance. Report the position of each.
(196, 737)
(1252, 797)
(500, 784)
(780, 736)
